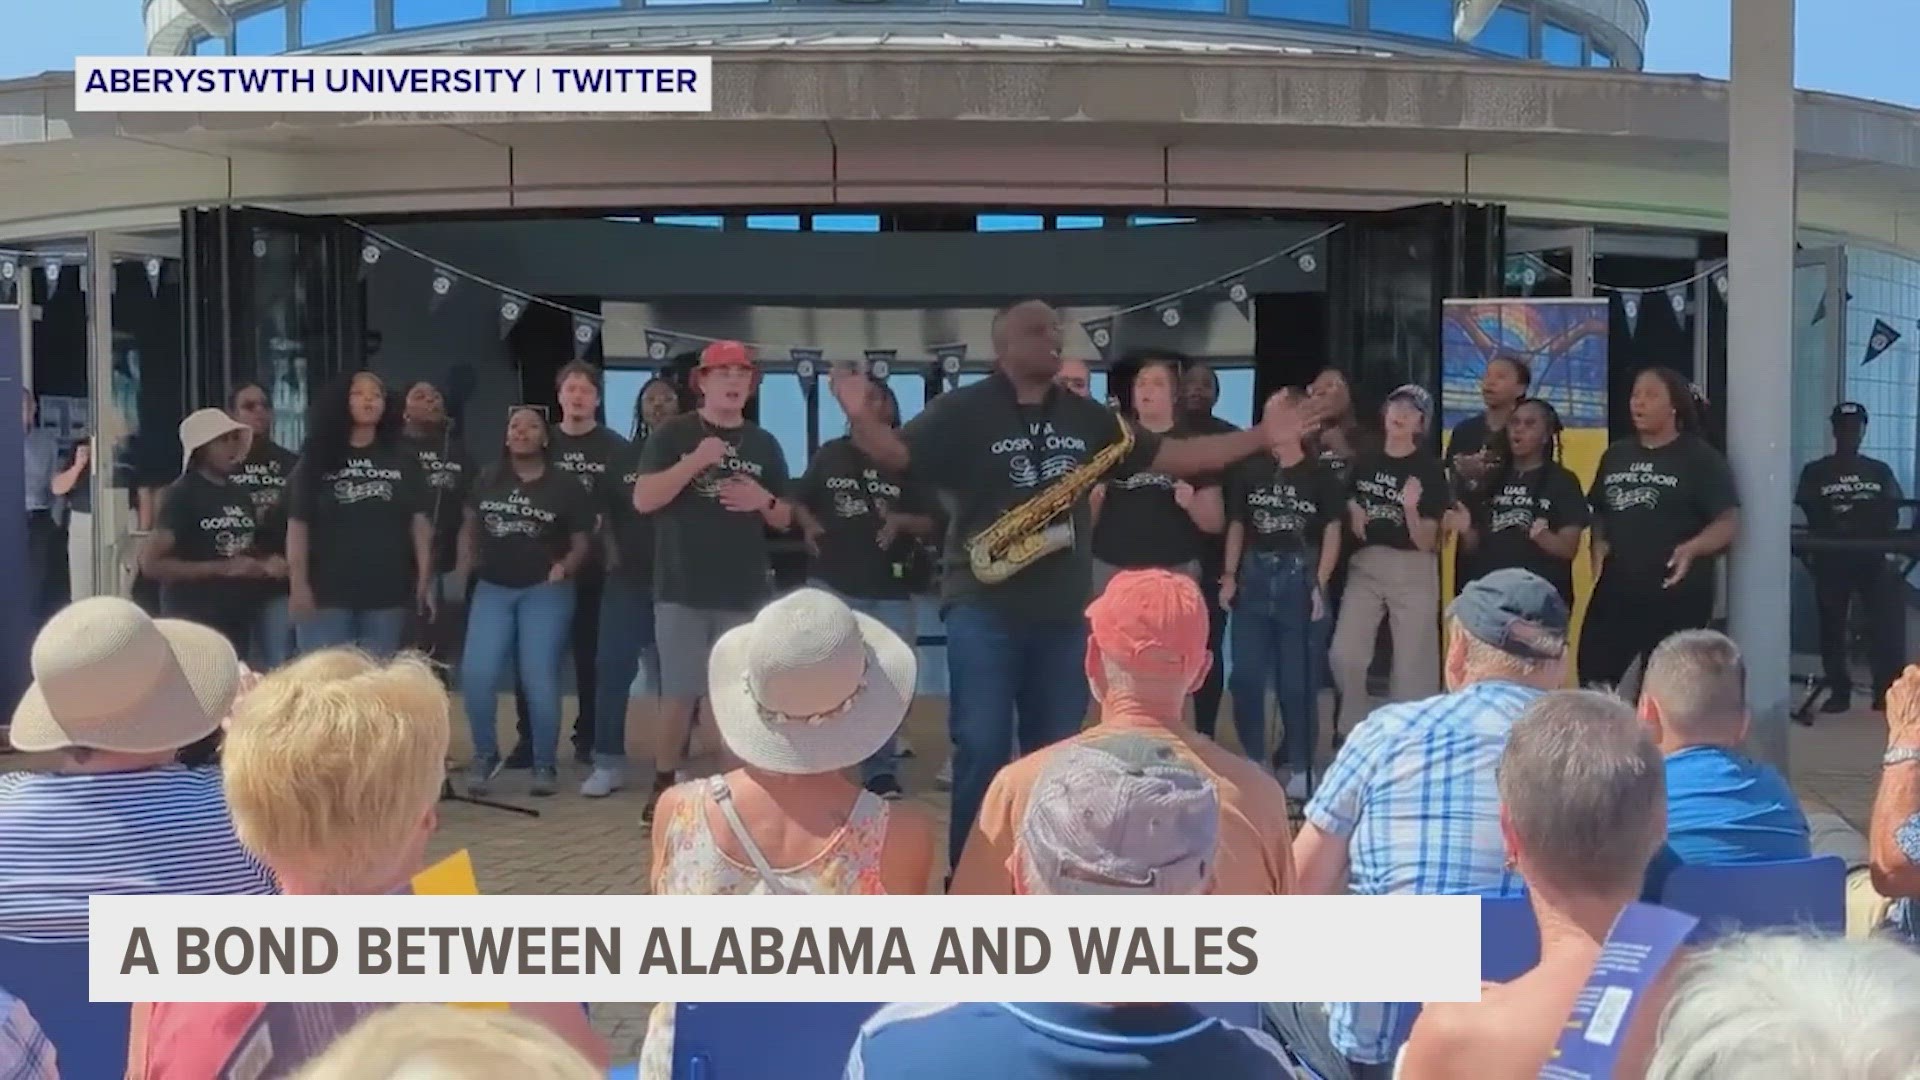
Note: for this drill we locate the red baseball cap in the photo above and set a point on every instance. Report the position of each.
(719, 354)
(1153, 622)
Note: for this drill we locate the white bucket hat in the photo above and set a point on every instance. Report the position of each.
(810, 685)
(203, 426)
(108, 677)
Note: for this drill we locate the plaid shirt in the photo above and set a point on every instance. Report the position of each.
(1413, 793)
(25, 1053)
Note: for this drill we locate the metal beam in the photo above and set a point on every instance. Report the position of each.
(1760, 170)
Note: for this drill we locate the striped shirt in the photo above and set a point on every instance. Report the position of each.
(25, 1053)
(1035, 1041)
(64, 837)
(1413, 793)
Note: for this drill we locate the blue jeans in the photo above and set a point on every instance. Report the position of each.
(377, 631)
(999, 666)
(536, 619)
(897, 616)
(1277, 643)
(626, 641)
(273, 635)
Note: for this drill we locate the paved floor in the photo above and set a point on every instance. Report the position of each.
(581, 845)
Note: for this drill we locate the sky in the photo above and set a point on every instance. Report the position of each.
(1867, 51)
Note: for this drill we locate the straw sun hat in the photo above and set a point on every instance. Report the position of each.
(810, 685)
(106, 676)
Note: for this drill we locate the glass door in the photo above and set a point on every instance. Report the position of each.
(1548, 262)
(137, 386)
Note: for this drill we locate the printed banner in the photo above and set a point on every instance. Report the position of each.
(1563, 342)
(584, 331)
(1643, 939)
(1240, 298)
(1882, 339)
(806, 363)
(880, 362)
(511, 309)
(950, 359)
(661, 345)
(1100, 332)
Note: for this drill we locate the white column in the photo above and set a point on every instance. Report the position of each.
(1760, 353)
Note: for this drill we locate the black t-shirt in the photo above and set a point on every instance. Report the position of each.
(704, 554)
(1504, 520)
(1854, 497)
(985, 454)
(359, 517)
(1141, 526)
(523, 527)
(263, 476)
(1647, 502)
(1375, 482)
(1284, 508)
(209, 520)
(447, 473)
(631, 530)
(848, 495)
(590, 457)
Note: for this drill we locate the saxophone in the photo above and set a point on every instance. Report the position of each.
(1027, 533)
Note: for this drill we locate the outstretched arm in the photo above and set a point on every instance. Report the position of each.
(1206, 454)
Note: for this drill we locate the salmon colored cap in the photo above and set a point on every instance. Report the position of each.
(719, 354)
(1150, 622)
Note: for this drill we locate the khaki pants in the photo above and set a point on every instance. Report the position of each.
(1403, 586)
(79, 555)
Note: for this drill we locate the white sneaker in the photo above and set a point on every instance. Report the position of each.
(1297, 787)
(602, 782)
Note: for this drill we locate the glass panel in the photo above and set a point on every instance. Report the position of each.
(691, 221)
(1079, 221)
(1509, 33)
(262, 33)
(1333, 12)
(783, 412)
(1601, 59)
(1209, 6)
(846, 223)
(1150, 219)
(538, 7)
(1009, 222)
(1236, 395)
(1414, 18)
(1049, 3)
(1886, 288)
(780, 222)
(410, 14)
(1559, 45)
(322, 21)
(210, 46)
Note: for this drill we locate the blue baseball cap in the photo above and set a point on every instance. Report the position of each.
(1515, 611)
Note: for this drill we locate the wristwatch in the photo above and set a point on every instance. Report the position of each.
(1900, 755)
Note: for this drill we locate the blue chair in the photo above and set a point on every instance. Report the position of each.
(89, 1038)
(799, 1040)
(1785, 894)
(1509, 938)
(630, 1071)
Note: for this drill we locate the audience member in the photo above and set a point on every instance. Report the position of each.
(1123, 815)
(1722, 806)
(119, 699)
(1410, 804)
(333, 767)
(1894, 834)
(25, 1053)
(438, 1042)
(1146, 652)
(1580, 792)
(802, 694)
(1793, 1007)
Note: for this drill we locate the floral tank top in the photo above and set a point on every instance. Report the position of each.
(848, 864)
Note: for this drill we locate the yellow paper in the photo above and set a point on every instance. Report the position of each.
(453, 876)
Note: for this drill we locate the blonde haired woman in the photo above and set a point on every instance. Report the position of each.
(801, 695)
(418, 1041)
(332, 766)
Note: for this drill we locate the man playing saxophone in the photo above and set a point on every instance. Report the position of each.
(1013, 458)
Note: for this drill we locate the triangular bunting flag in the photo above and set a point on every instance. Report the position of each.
(950, 359)
(585, 329)
(1819, 311)
(880, 362)
(1720, 282)
(510, 310)
(1240, 298)
(806, 364)
(661, 345)
(441, 286)
(1630, 303)
(1169, 313)
(50, 266)
(1529, 274)
(1677, 300)
(153, 267)
(1880, 340)
(370, 253)
(9, 279)
(1100, 332)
